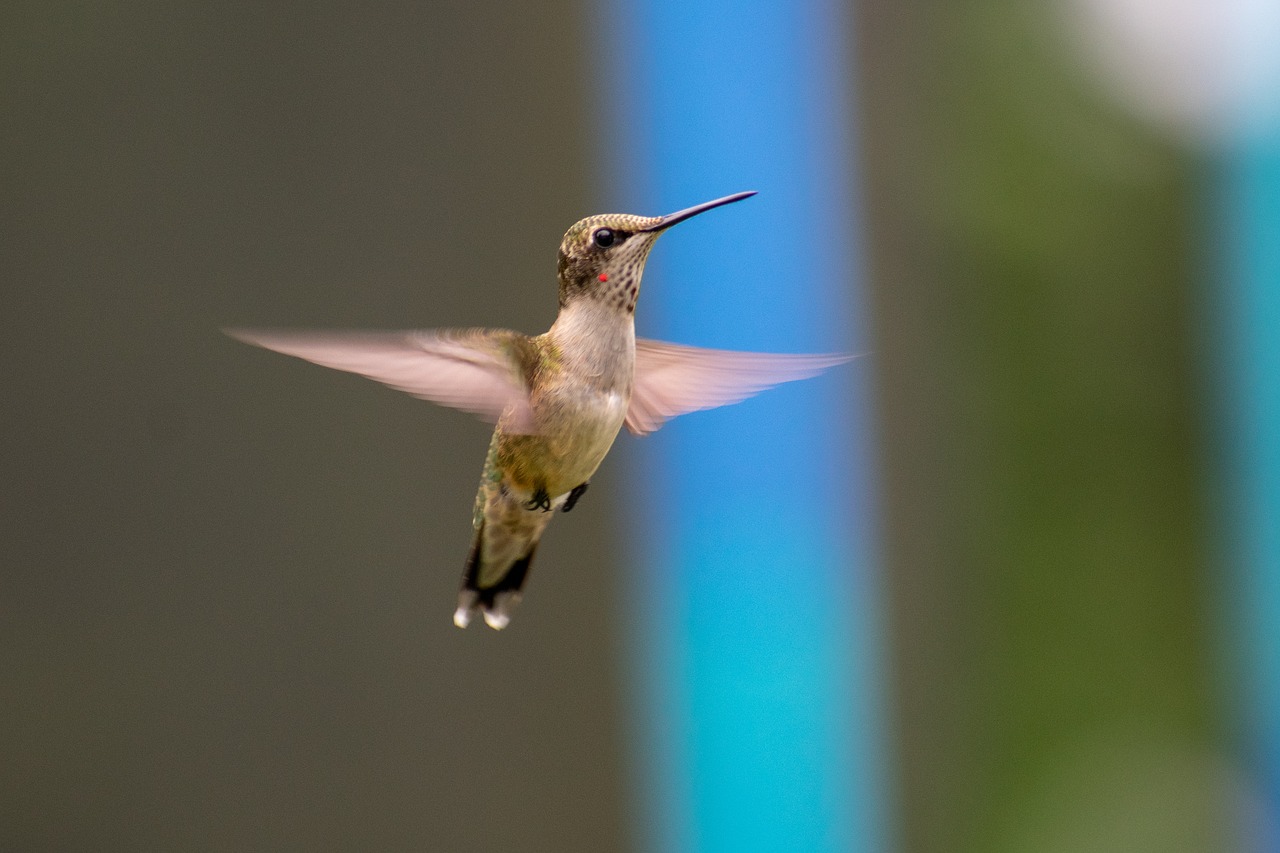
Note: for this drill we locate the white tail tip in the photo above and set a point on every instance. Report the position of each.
(496, 621)
(497, 614)
(467, 601)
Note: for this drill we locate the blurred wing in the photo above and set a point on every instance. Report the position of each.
(475, 370)
(672, 379)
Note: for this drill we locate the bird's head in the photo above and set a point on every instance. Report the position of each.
(602, 257)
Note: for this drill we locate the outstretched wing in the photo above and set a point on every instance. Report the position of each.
(475, 370)
(673, 380)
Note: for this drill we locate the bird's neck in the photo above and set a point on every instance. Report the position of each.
(598, 339)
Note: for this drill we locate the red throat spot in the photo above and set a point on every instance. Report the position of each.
(604, 276)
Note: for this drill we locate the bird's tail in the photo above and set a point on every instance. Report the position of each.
(489, 587)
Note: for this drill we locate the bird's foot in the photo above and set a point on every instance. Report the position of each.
(540, 500)
(572, 501)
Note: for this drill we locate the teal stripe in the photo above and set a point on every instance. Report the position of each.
(1251, 238)
(1248, 250)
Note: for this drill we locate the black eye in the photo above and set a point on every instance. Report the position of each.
(603, 237)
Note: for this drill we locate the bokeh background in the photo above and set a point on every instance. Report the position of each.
(226, 577)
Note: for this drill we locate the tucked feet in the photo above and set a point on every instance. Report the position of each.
(540, 500)
(572, 500)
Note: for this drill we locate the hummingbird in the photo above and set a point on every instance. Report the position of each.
(558, 399)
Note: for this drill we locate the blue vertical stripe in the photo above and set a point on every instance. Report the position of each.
(757, 712)
(1251, 233)
(1249, 252)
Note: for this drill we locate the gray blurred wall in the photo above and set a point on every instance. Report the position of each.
(228, 576)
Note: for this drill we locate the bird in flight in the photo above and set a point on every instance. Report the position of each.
(558, 399)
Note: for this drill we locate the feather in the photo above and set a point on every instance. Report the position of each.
(672, 380)
(474, 370)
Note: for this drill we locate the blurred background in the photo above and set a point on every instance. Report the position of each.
(1046, 609)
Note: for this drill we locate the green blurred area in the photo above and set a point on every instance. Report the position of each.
(1034, 257)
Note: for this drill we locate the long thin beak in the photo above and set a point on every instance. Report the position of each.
(681, 215)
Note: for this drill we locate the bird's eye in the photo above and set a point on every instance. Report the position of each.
(603, 237)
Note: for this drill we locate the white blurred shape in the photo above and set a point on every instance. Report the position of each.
(1202, 68)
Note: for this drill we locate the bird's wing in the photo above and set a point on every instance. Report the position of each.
(475, 370)
(672, 379)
